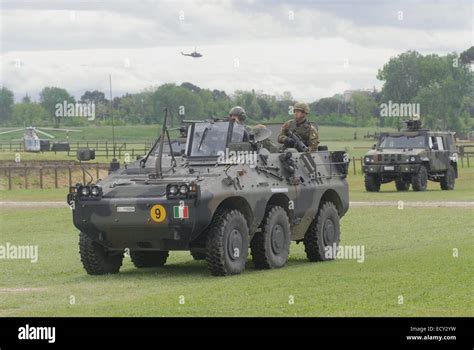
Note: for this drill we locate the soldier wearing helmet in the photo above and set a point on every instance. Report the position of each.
(301, 126)
(237, 114)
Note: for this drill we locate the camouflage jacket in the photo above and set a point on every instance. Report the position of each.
(305, 130)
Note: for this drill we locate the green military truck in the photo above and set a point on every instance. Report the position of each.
(412, 157)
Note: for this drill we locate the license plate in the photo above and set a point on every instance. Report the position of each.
(125, 209)
(391, 167)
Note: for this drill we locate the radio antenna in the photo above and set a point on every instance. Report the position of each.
(112, 114)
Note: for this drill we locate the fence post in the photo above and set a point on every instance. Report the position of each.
(468, 161)
(26, 178)
(462, 161)
(41, 177)
(354, 165)
(9, 178)
(55, 177)
(106, 150)
(97, 171)
(70, 176)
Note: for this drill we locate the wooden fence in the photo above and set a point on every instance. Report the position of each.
(27, 173)
(102, 148)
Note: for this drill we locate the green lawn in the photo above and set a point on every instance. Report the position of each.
(408, 253)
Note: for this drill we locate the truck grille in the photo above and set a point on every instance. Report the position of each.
(389, 158)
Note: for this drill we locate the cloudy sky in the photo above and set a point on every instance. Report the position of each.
(311, 48)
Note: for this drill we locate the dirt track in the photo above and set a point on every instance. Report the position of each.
(430, 204)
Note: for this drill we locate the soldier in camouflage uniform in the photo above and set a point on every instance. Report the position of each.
(237, 114)
(301, 126)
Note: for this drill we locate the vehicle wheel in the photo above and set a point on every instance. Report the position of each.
(372, 183)
(198, 255)
(447, 182)
(323, 232)
(419, 181)
(271, 247)
(402, 185)
(227, 243)
(96, 259)
(148, 258)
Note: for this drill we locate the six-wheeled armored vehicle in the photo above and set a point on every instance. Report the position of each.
(221, 195)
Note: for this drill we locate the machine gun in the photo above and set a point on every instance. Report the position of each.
(299, 143)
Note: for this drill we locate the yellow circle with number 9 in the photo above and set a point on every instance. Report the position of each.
(158, 213)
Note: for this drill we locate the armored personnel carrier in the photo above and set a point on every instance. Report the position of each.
(218, 196)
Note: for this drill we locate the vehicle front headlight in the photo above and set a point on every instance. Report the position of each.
(173, 190)
(85, 191)
(368, 159)
(183, 189)
(95, 191)
(412, 159)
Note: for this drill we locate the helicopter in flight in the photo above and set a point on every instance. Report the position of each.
(194, 54)
(31, 140)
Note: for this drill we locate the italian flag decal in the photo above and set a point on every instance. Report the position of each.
(181, 212)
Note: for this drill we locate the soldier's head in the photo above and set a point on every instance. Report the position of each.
(237, 114)
(301, 111)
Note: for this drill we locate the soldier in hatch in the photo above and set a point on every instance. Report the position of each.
(301, 126)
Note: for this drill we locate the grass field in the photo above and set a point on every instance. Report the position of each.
(408, 253)
(150, 132)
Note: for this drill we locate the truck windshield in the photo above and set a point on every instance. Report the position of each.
(402, 141)
(208, 139)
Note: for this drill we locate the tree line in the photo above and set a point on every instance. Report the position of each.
(442, 87)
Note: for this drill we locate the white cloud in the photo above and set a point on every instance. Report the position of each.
(77, 44)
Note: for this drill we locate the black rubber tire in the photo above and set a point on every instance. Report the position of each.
(402, 185)
(227, 243)
(419, 181)
(198, 255)
(141, 258)
(96, 259)
(447, 182)
(324, 231)
(372, 183)
(271, 247)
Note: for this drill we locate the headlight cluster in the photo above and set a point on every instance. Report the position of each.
(412, 159)
(368, 159)
(86, 192)
(181, 190)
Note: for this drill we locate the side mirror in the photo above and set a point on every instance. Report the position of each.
(85, 154)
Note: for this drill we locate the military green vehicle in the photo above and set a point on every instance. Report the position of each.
(211, 202)
(412, 157)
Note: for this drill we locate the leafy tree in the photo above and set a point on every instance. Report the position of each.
(50, 97)
(29, 114)
(6, 104)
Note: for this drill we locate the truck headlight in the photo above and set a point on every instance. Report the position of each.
(412, 159)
